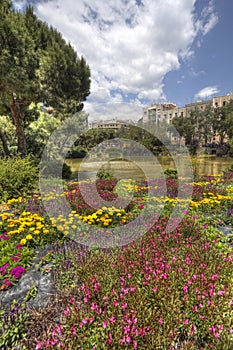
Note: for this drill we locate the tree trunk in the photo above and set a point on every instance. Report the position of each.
(4, 144)
(18, 121)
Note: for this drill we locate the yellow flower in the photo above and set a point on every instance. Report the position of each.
(28, 237)
(36, 232)
(23, 241)
(46, 231)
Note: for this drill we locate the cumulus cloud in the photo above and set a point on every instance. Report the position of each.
(130, 45)
(206, 92)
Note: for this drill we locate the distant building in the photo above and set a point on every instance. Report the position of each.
(110, 124)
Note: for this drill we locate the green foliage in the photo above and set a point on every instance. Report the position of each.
(18, 177)
(104, 174)
(13, 326)
(170, 173)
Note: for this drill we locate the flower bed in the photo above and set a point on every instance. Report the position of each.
(167, 290)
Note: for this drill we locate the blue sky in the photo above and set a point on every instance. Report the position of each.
(146, 51)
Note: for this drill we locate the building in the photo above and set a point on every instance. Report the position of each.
(110, 124)
(167, 111)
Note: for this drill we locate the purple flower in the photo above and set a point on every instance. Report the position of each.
(7, 282)
(3, 268)
(19, 246)
(141, 206)
(17, 271)
(16, 257)
(4, 237)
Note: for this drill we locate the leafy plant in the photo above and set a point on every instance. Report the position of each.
(18, 177)
(103, 174)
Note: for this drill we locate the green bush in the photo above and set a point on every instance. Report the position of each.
(170, 173)
(18, 177)
(103, 174)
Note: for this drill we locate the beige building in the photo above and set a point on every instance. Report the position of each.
(167, 111)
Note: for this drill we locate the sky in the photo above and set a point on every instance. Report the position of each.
(142, 52)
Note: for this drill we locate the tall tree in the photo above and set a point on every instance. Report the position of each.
(36, 64)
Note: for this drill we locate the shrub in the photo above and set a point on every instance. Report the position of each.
(170, 173)
(18, 177)
(103, 174)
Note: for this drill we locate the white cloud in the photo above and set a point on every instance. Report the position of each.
(206, 92)
(129, 45)
(208, 19)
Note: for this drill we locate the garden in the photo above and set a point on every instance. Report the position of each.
(167, 289)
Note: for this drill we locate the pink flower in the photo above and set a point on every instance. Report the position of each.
(221, 292)
(124, 305)
(185, 289)
(38, 345)
(161, 320)
(109, 340)
(96, 287)
(94, 306)
(186, 321)
(104, 324)
(192, 329)
(74, 331)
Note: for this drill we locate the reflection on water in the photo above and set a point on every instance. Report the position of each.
(141, 169)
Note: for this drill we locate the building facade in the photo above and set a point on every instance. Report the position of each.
(167, 111)
(110, 124)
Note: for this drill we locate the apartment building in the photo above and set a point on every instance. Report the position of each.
(167, 111)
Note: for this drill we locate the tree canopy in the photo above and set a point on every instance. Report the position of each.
(37, 65)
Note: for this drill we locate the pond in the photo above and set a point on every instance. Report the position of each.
(140, 169)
